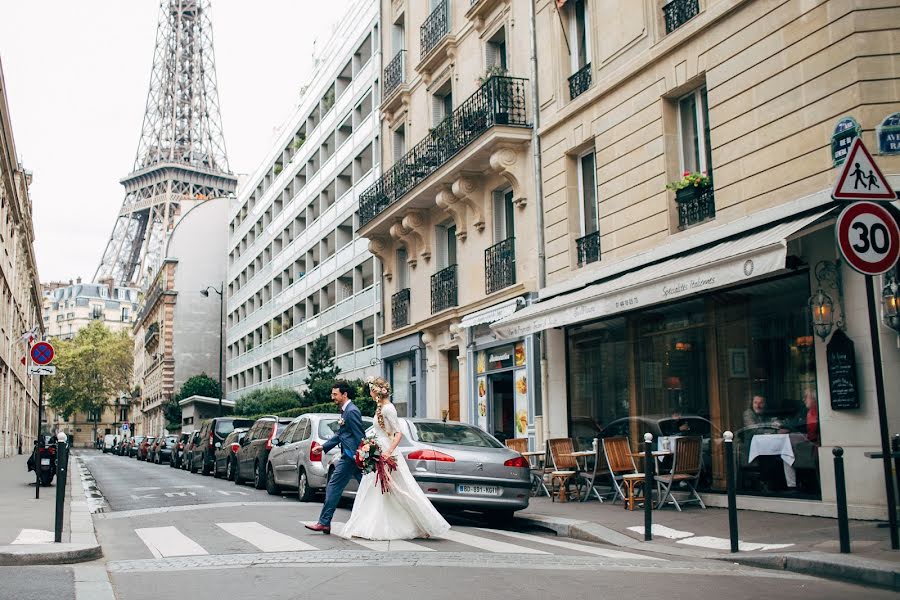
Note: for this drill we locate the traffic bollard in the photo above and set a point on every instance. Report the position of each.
(732, 500)
(841, 496)
(62, 475)
(648, 486)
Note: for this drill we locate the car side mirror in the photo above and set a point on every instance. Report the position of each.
(244, 441)
(275, 441)
(218, 444)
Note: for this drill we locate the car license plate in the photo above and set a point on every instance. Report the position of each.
(45, 461)
(478, 490)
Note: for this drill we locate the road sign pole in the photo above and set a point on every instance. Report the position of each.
(40, 441)
(882, 412)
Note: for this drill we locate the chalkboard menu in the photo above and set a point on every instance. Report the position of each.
(842, 372)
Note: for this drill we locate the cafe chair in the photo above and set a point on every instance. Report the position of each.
(599, 473)
(520, 445)
(686, 467)
(623, 474)
(565, 468)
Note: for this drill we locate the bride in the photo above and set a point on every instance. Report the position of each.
(403, 512)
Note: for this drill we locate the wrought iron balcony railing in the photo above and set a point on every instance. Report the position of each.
(580, 81)
(588, 248)
(500, 101)
(435, 27)
(395, 73)
(400, 309)
(500, 265)
(679, 12)
(443, 289)
(695, 205)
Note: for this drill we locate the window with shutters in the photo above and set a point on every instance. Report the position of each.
(693, 132)
(402, 269)
(504, 224)
(495, 52)
(579, 34)
(500, 258)
(588, 245)
(399, 142)
(398, 35)
(442, 103)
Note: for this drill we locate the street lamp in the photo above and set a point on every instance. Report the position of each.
(219, 291)
(890, 304)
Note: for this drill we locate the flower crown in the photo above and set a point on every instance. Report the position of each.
(381, 387)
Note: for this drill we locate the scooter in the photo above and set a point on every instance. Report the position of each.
(44, 458)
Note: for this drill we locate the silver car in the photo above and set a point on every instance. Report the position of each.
(291, 462)
(461, 466)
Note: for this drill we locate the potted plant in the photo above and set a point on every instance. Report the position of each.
(689, 186)
(298, 142)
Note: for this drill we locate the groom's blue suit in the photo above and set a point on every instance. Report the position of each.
(348, 436)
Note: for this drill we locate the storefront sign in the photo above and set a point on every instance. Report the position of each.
(845, 132)
(482, 402)
(502, 357)
(521, 392)
(842, 372)
(888, 134)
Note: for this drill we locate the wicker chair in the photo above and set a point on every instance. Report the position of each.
(686, 468)
(624, 475)
(565, 468)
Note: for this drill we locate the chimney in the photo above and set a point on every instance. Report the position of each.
(78, 280)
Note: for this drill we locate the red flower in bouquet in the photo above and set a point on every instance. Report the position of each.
(370, 459)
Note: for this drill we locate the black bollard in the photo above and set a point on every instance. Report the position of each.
(732, 500)
(62, 475)
(648, 486)
(841, 497)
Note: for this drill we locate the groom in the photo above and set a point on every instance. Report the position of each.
(349, 435)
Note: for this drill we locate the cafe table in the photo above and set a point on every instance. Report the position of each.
(536, 479)
(775, 444)
(659, 455)
(579, 455)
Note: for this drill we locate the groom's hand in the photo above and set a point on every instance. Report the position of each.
(317, 451)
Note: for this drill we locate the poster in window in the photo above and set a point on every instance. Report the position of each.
(482, 402)
(521, 394)
(737, 362)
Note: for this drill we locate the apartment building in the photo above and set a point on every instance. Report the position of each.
(20, 294)
(715, 307)
(452, 217)
(68, 307)
(297, 269)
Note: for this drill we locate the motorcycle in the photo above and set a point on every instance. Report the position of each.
(44, 458)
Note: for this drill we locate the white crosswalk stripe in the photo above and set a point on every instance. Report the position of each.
(596, 551)
(164, 542)
(488, 544)
(267, 540)
(34, 536)
(383, 546)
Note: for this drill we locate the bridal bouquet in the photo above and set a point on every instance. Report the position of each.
(369, 459)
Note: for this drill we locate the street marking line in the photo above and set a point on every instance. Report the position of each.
(164, 542)
(34, 536)
(488, 544)
(570, 545)
(662, 531)
(267, 540)
(716, 543)
(378, 545)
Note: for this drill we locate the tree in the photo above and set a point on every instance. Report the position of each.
(172, 413)
(321, 362)
(267, 401)
(199, 385)
(92, 368)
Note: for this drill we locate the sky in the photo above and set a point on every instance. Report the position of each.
(77, 76)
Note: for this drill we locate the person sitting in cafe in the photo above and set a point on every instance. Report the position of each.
(758, 416)
(812, 415)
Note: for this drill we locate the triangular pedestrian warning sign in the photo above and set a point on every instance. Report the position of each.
(861, 179)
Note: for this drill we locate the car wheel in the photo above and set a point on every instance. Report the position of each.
(304, 492)
(229, 470)
(271, 488)
(204, 468)
(192, 468)
(259, 481)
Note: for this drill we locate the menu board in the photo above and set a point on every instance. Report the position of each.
(842, 372)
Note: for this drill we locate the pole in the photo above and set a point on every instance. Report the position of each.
(649, 470)
(840, 489)
(40, 440)
(732, 500)
(62, 474)
(221, 343)
(882, 413)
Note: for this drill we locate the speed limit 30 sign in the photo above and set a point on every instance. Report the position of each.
(868, 237)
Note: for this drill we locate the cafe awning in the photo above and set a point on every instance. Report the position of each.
(492, 313)
(734, 261)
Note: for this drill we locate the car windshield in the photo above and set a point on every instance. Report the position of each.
(453, 434)
(171, 439)
(223, 428)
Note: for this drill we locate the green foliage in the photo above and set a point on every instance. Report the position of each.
(321, 363)
(93, 368)
(267, 401)
(198, 385)
(172, 413)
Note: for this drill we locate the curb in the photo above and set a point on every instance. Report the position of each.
(843, 567)
(47, 554)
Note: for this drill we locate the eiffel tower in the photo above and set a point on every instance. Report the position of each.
(181, 154)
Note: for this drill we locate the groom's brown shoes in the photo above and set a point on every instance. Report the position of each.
(319, 527)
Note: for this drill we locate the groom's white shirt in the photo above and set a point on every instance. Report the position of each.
(344, 405)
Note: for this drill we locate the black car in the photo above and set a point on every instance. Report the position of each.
(225, 455)
(254, 452)
(164, 446)
(212, 432)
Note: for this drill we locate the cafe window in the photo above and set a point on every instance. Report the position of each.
(741, 360)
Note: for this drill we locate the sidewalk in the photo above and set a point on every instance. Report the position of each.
(771, 540)
(27, 524)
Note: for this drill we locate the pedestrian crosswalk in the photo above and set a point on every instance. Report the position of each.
(251, 536)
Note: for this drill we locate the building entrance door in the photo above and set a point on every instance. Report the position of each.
(502, 405)
(453, 385)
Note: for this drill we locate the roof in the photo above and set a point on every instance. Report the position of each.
(205, 400)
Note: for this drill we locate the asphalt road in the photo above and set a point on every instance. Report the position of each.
(165, 531)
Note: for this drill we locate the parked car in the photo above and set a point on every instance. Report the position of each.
(292, 464)
(213, 432)
(225, 454)
(144, 448)
(188, 458)
(134, 445)
(253, 455)
(460, 466)
(162, 452)
(177, 455)
(108, 442)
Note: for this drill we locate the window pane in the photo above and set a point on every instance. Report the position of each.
(451, 245)
(581, 33)
(689, 149)
(708, 165)
(509, 215)
(588, 194)
(400, 374)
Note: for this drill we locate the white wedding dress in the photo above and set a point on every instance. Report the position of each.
(404, 512)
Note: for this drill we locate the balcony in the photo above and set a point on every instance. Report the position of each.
(400, 309)
(679, 12)
(588, 248)
(394, 75)
(435, 28)
(443, 289)
(500, 266)
(695, 205)
(580, 81)
(500, 101)
(480, 11)
(151, 337)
